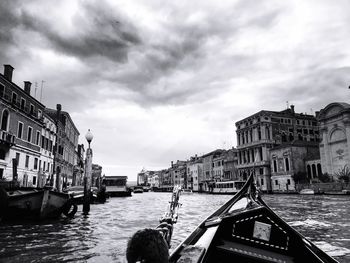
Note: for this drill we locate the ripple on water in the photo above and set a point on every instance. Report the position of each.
(102, 236)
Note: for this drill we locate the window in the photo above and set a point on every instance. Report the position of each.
(35, 163)
(14, 98)
(31, 109)
(37, 138)
(48, 167)
(288, 181)
(34, 180)
(261, 171)
(17, 157)
(29, 134)
(2, 90)
(44, 166)
(20, 130)
(42, 141)
(23, 103)
(276, 182)
(39, 114)
(2, 154)
(4, 120)
(39, 164)
(261, 153)
(262, 181)
(27, 161)
(287, 164)
(275, 166)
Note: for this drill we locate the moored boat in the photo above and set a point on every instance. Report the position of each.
(186, 191)
(24, 203)
(307, 192)
(116, 186)
(245, 229)
(77, 194)
(138, 190)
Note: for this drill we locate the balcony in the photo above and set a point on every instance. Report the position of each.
(254, 164)
(255, 143)
(7, 138)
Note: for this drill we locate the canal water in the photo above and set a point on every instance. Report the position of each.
(102, 236)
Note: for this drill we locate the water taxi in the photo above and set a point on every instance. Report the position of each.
(227, 187)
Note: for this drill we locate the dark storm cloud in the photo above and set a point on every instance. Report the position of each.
(9, 20)
(98, 32)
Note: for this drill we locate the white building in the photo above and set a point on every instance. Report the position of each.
(195, 174)
(335, 133)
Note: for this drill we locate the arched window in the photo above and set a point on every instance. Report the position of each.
(319, 169)
(314, 174)
(4, 120)
(309, 171)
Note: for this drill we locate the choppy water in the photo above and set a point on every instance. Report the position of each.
(102, 236)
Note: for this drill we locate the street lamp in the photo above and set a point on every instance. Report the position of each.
(89, 137)
(88, 174)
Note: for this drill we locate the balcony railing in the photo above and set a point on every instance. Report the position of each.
(7, 137)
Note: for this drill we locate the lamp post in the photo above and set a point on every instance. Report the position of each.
(87, 175)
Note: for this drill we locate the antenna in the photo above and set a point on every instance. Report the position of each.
(41, 93)
(36, 87)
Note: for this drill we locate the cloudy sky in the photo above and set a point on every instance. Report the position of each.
(158, 81)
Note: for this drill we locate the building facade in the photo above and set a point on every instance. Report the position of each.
(195, 174)
(21, 127)
(260, 132)
(230, 165)
(287, 160)
(67, 145)
(334, 122)
(46, 161)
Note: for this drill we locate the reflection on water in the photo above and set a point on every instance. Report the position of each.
(102, 236)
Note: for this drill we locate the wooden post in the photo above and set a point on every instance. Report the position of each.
(87, 181)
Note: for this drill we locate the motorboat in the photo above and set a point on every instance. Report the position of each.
(245, 229)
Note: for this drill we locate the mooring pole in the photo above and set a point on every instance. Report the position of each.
(87, 175)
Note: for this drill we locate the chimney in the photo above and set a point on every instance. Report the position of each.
(172, 164)
(317, 113)
(58, 112)
(292, 108)
(27, 85)
(8, 69)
